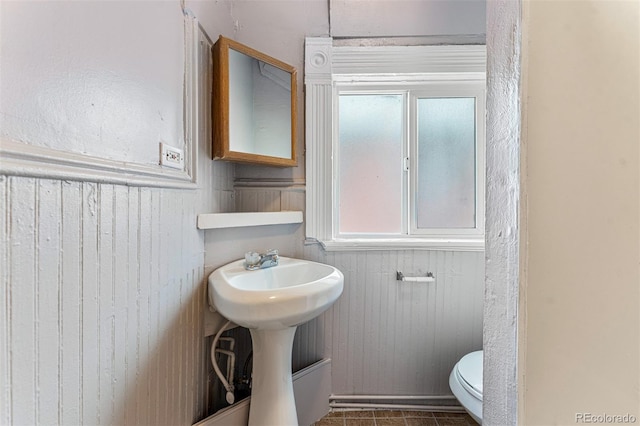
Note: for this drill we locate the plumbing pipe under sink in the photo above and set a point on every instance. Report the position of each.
(227, 382)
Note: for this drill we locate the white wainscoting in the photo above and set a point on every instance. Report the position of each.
(386, 337)
(102, 292)
(102, 304)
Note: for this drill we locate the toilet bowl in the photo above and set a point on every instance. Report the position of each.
(465, 382)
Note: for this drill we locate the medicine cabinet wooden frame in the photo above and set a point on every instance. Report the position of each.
(221, 114)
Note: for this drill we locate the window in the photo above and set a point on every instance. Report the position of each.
(395, 146)
(369, 164)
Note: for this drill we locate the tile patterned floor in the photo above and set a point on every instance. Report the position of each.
(395, 418)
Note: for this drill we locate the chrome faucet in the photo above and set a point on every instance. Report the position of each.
(253, 260)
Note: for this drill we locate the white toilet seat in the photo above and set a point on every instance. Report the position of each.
(466, 383)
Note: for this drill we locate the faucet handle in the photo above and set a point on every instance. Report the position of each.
(271, 252)
(251, 258)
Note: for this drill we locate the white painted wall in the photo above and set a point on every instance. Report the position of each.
(97, 78)
(400, 338)
(580, 295)
(394, 18)
(503, 218)
(102, 286)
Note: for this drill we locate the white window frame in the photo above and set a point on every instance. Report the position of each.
(365, 90)
(328, 68)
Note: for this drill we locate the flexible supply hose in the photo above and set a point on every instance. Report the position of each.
(231, 363)
(231, 357)
(228, 386)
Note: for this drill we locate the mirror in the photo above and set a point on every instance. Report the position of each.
(254, 106)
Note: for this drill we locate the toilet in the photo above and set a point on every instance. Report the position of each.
(465, 382)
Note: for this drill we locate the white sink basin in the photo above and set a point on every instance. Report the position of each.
(271, 303)
(286, 295)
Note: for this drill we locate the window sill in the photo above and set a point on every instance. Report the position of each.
(443, 244)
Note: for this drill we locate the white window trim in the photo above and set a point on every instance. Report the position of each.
(326, 65)
(466, 88)
(364, 89)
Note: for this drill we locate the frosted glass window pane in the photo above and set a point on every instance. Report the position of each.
(446, 196)
(370, 153)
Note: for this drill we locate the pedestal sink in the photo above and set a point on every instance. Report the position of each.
(271, 303)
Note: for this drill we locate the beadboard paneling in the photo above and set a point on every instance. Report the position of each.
(103, 293)
(385, 337)
(94, 337)
(5, 305)
(400, 338)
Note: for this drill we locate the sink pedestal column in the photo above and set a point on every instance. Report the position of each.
(272, 400)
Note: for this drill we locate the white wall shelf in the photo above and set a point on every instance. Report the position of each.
(234, 220)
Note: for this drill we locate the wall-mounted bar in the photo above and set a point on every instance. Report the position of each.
(429, 278)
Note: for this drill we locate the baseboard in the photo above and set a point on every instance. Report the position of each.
(311, 387)
(235, 415)
(438, 403)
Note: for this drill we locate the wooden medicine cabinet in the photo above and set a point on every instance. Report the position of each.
(254, 106)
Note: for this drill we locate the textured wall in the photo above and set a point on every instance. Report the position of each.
(502, 213)
(101, 304)
(75, 79)
(103, 291)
